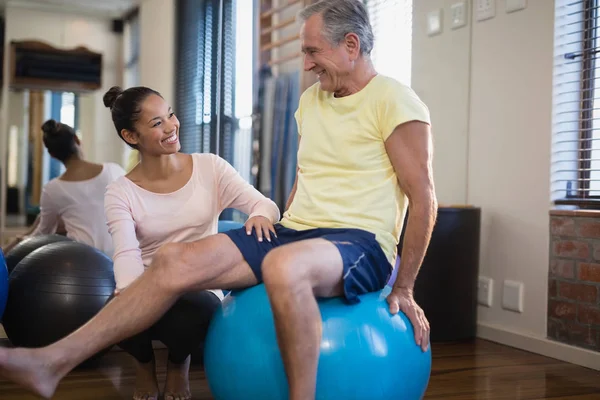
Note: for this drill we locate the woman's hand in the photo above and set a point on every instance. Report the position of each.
(262, 225)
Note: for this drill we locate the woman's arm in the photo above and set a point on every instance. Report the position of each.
(235, 192)
(19, 238)
(127, 256)
(49, 214)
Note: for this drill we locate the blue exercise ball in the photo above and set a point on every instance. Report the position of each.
(3, 284)
(226, 225)
(366, 353)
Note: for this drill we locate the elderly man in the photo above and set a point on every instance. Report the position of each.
(365, 152)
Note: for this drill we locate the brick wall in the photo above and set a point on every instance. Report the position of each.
(574, 279)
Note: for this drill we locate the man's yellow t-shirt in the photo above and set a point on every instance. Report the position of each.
(132, 160)
(345, 177)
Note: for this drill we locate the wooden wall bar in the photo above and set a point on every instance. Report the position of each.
(275, 29)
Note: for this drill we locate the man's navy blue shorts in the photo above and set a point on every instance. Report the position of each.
(366, 268)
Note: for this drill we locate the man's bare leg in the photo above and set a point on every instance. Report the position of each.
(294, 274)
(211, 263)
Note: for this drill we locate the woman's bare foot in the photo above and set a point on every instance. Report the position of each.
(146, 385)
(36, 370)
(177, 386)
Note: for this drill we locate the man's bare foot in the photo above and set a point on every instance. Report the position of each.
(36, 370)
(177, 386)
(146, 385)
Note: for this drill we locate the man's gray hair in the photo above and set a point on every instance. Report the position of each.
(341, 17)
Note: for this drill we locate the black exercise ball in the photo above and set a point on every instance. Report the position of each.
(28, 245)
(55, 290)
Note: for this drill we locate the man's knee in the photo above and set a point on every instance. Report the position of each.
(280, 268)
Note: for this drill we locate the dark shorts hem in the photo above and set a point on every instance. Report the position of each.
(365, 266)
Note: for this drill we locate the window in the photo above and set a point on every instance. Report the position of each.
(131, 49)
(214, 100)
(206, 71)
(391, 21)
(575, 167)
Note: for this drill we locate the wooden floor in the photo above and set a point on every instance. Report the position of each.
(478, 370)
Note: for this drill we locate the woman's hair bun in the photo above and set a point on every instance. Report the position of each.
(111, 96)
(50, 127)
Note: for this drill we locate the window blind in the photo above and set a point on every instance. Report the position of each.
(193, 18)
(205, 83)
(575, 158)
(391, 21)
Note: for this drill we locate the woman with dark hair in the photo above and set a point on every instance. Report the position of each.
(74, 201)
(170, 197)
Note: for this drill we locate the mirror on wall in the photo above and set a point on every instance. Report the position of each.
(42, 82)
(29, 166)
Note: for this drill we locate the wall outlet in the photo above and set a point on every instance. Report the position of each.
(434, 22)
(485, 9)
(485, 290)
(512, 296)
(515, 5)
(458, 14)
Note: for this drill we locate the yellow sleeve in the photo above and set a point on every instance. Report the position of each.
(304, 98)
(298, 115)
(399, 105)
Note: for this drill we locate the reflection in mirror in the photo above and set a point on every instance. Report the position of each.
(29, 166)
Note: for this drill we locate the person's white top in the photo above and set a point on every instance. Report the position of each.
(80, 204)
(141, 221)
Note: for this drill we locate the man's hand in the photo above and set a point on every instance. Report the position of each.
(401, 299)
(262, 225)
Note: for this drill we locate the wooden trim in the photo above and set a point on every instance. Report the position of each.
(42, 84)
(264, 23)
(575, 213)
(36, 116)
(278, 9)
(285, 59)
(280, 25)
(266, 28)
(43, 46)
(280, 42)
(579, 203)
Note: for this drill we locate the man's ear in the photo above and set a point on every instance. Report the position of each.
(352, 43)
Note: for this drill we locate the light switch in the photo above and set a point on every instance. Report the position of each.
(515, 5)
(485, 9)
(434, 22)
(458, 14)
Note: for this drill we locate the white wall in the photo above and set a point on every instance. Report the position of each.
(489, 88)
(157, 47)
(66, 30)
(441, 76)
(509, 155)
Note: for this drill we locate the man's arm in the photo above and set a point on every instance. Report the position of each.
(410, 150)
(293, 191)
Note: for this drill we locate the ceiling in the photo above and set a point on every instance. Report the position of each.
(107, 8)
